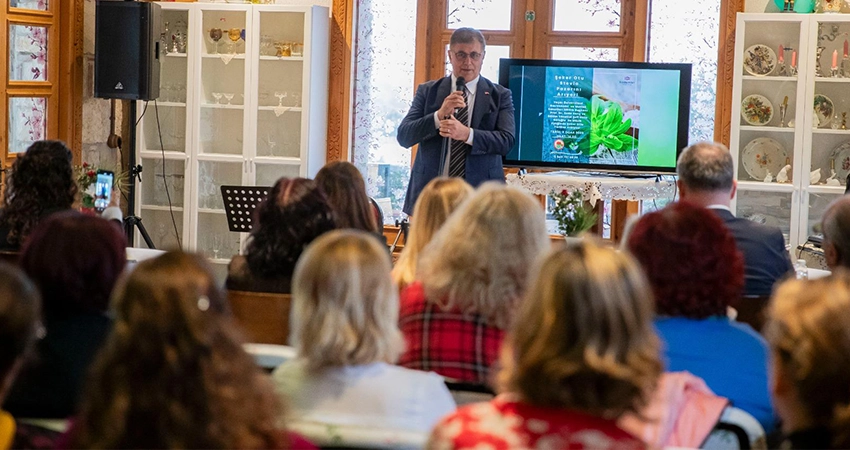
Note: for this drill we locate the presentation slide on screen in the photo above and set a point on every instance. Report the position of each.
(579, 115)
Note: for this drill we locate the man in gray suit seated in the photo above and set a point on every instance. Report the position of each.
(707, 178)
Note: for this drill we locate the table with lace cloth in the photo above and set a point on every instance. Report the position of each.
(620, 190)
(594, 187)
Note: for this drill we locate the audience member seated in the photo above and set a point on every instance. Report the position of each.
(707, 178)
(345, 188)
(20, 327)
(173, 373)
(345, 329)
(295, 212)
(695, 270)
(836, 233)
(808, 334)
(437, 201)
(41, 183)
(471, 278)
(75, 261)
(581, 353)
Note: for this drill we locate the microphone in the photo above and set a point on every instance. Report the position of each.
(460, 86)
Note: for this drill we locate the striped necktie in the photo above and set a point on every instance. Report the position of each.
(457, 157)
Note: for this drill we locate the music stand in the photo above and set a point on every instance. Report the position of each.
(240, 203)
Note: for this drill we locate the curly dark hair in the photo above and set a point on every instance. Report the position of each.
(690, 259)
(346, 191)
(173, 373)
(295, 212)
(41, 181)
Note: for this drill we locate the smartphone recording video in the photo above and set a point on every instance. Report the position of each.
(103, 190)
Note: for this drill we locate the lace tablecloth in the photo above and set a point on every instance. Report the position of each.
(595, 187)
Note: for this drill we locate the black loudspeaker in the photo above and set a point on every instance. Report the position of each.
(126, 50)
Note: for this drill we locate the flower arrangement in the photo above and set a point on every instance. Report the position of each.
(86, 176)
(571, 213)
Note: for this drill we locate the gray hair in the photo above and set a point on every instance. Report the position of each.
(467, 35)
(836, 228)
(706, 166)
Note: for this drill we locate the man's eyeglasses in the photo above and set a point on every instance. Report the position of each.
(475, 56)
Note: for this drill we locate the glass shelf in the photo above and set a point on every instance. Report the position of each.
(281, 58)
(161, 208)
(176, 55)
(214, 106)
(767, 78)
(831, 80)
(767, 129)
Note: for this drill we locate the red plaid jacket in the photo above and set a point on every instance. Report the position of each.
(452, 344)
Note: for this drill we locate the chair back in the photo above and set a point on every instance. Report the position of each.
(269, 356)
(736, 429)
(263, 316)
(752, 310)
(465, 393)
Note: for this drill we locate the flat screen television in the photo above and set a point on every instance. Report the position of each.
(598, 116)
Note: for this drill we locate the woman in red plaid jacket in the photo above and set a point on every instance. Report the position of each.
(471, 277)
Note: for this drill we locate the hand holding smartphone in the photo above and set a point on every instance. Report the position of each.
(103, 189)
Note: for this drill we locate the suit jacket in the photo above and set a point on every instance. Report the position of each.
(765, 257)
(493, 122)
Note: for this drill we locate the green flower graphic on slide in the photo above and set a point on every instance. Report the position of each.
(607, 128)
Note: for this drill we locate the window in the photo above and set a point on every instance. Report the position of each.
(606, 30)
(382, 95)
(31, 86)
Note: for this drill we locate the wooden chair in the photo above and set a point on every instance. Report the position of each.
(752, 310)
(264, 316)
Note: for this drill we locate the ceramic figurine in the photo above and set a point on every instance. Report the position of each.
(814, 177)
(832, 180)
(768, 178)
(782, 176)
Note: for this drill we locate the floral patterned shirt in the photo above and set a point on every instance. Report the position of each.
(506, 423)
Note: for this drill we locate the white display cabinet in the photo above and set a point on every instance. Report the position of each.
(243, 106)
(813, 137)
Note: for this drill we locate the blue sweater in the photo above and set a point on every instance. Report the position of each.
(731, 357)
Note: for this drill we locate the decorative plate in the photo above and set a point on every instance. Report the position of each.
(824, 110)
(841, 159)
(756, 110)
(759, 60)
(762, 155)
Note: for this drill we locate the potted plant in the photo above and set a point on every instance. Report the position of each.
(573, 215)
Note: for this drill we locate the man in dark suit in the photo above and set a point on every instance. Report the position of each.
(479, 120)
(706, 178)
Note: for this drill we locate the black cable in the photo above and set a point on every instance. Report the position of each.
(164, 183)
(143, 113)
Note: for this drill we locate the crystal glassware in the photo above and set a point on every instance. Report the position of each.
(280, 96)
(215, 35)
(217, 96)
(234, 34)
(228, 96)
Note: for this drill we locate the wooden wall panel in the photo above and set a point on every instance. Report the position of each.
(71, 31)
(725, 67)
(339, 83)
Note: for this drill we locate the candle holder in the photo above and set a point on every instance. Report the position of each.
(834, 72)
(792, 71)
(845, 67)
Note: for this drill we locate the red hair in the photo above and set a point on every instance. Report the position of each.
(690, 259)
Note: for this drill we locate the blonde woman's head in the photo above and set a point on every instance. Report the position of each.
(809, 334)
(584, 338)
(437, 201)
(345, 307)
(480, 259)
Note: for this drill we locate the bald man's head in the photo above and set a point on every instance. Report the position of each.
(706, 167)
